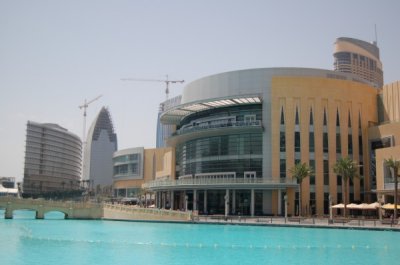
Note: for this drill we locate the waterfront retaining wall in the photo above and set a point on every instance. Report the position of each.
(123, 212)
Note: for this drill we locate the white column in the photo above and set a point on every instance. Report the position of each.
(194, 200)
(171, 199)
(186, 200)
(233, 201)
(286, 206)
(252, 203)
(226, 202)
(330, 208)
(205, 202)
(279, 202)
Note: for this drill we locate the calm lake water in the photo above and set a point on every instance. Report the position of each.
(24, 240)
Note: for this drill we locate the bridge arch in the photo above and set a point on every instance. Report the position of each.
(53, 211)
(9, 213)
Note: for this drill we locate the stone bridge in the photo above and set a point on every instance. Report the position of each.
(71, 210)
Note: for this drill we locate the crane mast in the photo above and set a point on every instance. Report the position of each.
(166, 81)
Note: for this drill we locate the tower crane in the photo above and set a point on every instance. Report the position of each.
(166, 81)
(84, 106)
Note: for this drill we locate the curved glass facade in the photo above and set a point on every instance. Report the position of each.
(231, 152)
(52, 159)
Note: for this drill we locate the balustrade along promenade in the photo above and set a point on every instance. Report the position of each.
(89, 210)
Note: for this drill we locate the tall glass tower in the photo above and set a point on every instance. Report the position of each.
(101, 143)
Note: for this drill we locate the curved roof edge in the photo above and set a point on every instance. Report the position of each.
(370, 47)
(127, 151)
(246, 86)
(55, 127)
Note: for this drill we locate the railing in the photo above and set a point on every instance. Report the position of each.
(215, 126)
(48, 203)
(151, 211)
(216, 181)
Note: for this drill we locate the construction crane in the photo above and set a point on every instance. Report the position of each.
(166, 81)
(84, 106)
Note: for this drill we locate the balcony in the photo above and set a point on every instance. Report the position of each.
(235, 124)
(222, 183)
(214, 129)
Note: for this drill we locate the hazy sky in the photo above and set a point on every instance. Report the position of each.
(54, 54)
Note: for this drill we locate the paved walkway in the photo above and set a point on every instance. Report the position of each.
(339, 222)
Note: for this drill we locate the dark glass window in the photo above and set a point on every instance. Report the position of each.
(312, 178)
(311, 141)
(214, 154)
(282, 142)
(282, 168)
(282, 117)
(326, 172)
(337, 119)
(339, 180)
(325, 142)
(350, 144)
(349, 121)
(297, 117)
(297, 141)
(338, 144)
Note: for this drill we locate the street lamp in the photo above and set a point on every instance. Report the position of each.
(381, 201)
(286, 205)
(226, 197)
(330, 209)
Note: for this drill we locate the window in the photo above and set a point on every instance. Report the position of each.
(282, 142)
(282, 168)
(312, 178)
(325, 120)
(297, 117)
(338, 144)
(297, 141)
(133, 157)
(325, 142)
(249, 119)
(326, 172)
(311, 142)
(282, 117)
(337, 118)
(350, 144)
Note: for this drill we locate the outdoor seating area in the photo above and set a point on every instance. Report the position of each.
(362, 206)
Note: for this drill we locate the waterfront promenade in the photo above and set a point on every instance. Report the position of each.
(322, 222)
(119, 212)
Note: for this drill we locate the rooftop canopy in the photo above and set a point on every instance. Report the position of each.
(176, 114)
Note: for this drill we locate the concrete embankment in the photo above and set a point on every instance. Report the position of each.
(131, 213)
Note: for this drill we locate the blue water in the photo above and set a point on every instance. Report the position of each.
(24, 240)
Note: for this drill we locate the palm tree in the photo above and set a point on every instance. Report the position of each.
(348, 169)
(300, 171)
(394, 165)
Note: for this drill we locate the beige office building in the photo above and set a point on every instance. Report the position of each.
(239, 133)
(384, 139)
(360, 58)
(135, 166)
